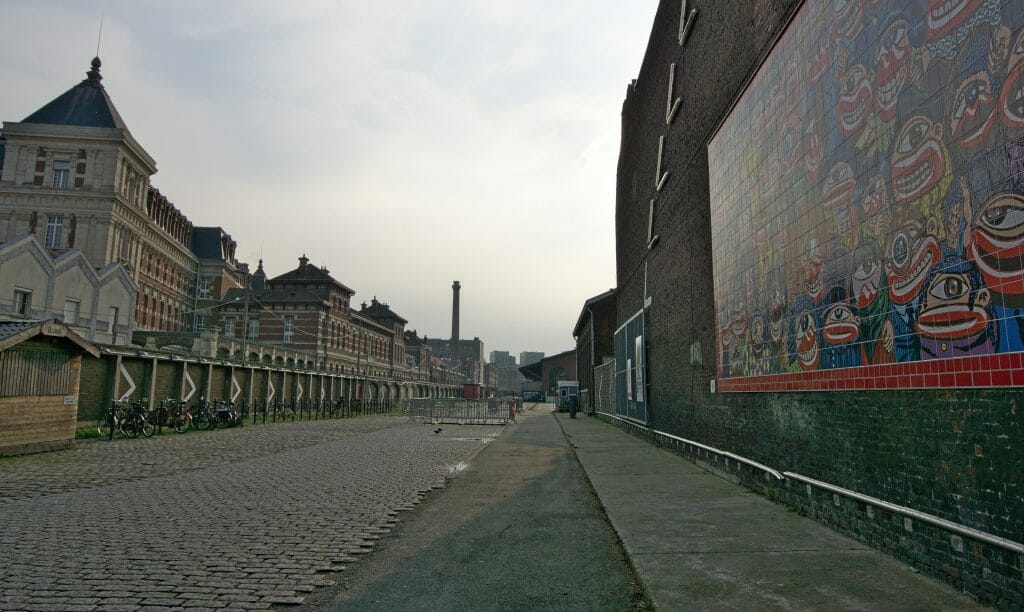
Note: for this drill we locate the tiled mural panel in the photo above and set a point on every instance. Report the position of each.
(868, 201)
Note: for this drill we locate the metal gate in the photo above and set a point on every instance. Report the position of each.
(492, 411)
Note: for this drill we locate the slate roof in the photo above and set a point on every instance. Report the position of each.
(308, 273)
(206, 242)
(10, 328)
(86, 104)
(380, 311)
(591, 302)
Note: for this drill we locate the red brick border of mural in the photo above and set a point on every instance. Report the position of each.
(1003, 370)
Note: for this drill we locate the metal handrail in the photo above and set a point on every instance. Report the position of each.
(924, 517)
(917, 514)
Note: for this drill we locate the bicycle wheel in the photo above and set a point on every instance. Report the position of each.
(221, 421)
(202, 422)
(103, 426)
(147, 428)
(180, 423)
(130, 427)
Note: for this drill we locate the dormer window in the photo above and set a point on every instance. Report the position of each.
(61, 171)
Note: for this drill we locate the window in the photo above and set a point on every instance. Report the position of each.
(253, 330)
(203, 288)
(54, 231)
(289, 328)
(61, 170)
(112, 319)
(202, 321)
(71, 312)
(229, 327)
(22, 301)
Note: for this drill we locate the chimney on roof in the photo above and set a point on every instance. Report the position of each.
(455, 310)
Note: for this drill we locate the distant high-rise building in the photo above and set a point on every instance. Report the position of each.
(500, 358)
(508, 371)
(528, 357)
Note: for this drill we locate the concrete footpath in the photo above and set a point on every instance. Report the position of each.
(700, 542)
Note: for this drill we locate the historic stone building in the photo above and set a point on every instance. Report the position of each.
(819, 284)
(218, 271)
(73, 174)
(34, 285)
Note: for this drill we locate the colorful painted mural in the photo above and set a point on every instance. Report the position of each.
(867, 191)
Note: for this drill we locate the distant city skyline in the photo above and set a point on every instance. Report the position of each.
(401, 149)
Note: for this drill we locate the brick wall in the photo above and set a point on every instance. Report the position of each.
(955, 454)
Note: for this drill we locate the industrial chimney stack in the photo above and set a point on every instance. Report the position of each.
(455, 310)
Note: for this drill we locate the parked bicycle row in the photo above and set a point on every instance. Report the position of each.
(134, 418)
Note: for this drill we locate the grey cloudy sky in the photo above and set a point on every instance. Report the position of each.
(403, 144)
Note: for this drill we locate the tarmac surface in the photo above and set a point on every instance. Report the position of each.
(519, 529)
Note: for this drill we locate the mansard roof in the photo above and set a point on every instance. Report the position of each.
(210, 243)
(86, 104)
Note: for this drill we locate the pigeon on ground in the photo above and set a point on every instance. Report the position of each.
(438, 430)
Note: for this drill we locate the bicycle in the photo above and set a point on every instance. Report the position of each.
(135, 422)
(225, 415)
(282, 410)
(111, 418)
(202, 415)
(180, 419)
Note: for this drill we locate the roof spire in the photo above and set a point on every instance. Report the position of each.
(94, 72)
(99, 36)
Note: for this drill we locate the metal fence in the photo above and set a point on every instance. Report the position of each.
(491, 411)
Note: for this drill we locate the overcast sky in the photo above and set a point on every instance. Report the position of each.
(403, 144)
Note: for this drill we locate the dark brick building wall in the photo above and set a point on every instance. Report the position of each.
(954, 454)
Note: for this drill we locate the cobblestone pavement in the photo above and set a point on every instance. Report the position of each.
(240, 518)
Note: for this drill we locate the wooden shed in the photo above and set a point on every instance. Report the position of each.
(40, 366)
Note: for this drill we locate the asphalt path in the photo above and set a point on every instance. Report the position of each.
(519, 528)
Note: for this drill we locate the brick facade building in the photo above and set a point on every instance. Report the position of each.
(770, 193)
(594, 331)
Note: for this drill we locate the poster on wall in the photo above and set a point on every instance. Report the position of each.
(639, 352)
(867, 198)
(630, 370)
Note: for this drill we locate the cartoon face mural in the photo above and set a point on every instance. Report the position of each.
(892, 65)
(913, 250)
(953, 316)
(838, 202)
(997, 244)
(973, 110)
(920, 165)
(847, 18)
(950, 22)
(869, 187)
(813, 263)
(855, 101)
(1011, 98)
(804, 353)
(874, 203)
